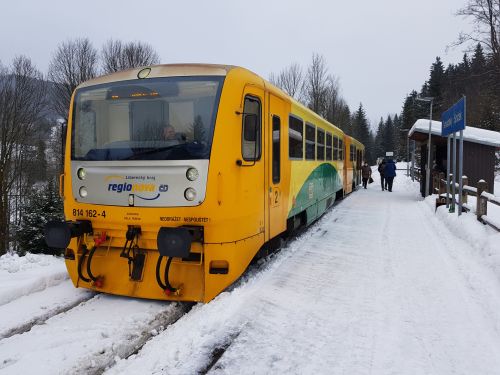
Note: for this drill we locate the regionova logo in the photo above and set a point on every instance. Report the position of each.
(143, 187)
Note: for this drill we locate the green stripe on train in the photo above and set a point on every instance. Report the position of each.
(317, 192)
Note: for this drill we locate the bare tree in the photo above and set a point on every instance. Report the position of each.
(74, 62)
(334, 102)
(318, 90)
(486, 18)
(118, 56)
(316, 85)
(290, 80)
(22, 101)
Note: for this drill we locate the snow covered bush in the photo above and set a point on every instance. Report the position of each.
(43, 205)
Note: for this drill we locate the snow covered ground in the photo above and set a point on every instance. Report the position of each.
(382, 284)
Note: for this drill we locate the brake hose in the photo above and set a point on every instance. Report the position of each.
(158, 278)
(89, 260)
(166, 286)
(80, 263)
(167, 267)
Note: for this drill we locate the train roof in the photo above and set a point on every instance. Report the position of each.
(170, 70)
(164, 70)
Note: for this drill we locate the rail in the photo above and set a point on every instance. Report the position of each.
(480, 191)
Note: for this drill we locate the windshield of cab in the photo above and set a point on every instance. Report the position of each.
(155, 119)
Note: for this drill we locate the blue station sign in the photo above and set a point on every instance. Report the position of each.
(453, 120)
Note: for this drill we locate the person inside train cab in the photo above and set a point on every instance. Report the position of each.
(171, 137)
(169, 133)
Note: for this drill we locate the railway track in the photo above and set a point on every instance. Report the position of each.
(87, 337)
(79, 332)
(40, 319)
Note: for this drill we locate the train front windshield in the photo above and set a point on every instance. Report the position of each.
(146, 119)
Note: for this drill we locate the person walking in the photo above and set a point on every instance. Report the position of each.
(381, 169)
(366, 173)
(390, 173)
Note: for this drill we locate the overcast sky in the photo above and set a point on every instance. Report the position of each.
(379, 50)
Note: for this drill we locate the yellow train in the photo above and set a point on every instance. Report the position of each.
(176, 176)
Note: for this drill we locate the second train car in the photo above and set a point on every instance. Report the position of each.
(176, 176)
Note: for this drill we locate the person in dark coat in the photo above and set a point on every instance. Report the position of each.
(390, 173)
(381, 168)
(366, 173)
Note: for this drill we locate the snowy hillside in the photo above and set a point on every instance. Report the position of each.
(382, 284)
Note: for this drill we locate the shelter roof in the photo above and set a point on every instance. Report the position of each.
(420, 130)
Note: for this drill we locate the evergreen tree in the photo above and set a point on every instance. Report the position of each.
(43, 205)
(370, 155)
(379, 148)
(435, 87)
(476, 77)
(388, 135)
(478, 62)
(400, 135)
(344, 120)
(360, 125)
(361, 131)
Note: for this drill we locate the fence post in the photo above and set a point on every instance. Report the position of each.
(481, 205)
(442, 187)
(465, 181)
(449, 190)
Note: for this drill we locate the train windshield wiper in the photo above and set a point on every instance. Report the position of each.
(139, 155)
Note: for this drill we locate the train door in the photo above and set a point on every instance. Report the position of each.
(253, 154)
(275, 157)
(347, 166)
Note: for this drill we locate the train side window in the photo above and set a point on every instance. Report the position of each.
(320, 147)
(310, 142)
(276, 149)
(352, 153)
(328, 146)
(251, 139)
(295, 138)
(336, 149)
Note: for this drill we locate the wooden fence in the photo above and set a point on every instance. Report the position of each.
(417, 173)
(480, 191)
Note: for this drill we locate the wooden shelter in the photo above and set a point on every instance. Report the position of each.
(480, 146)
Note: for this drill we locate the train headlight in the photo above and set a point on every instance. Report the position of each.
(83, 192)
(190, 194)
(81, 173)
(192, 174)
